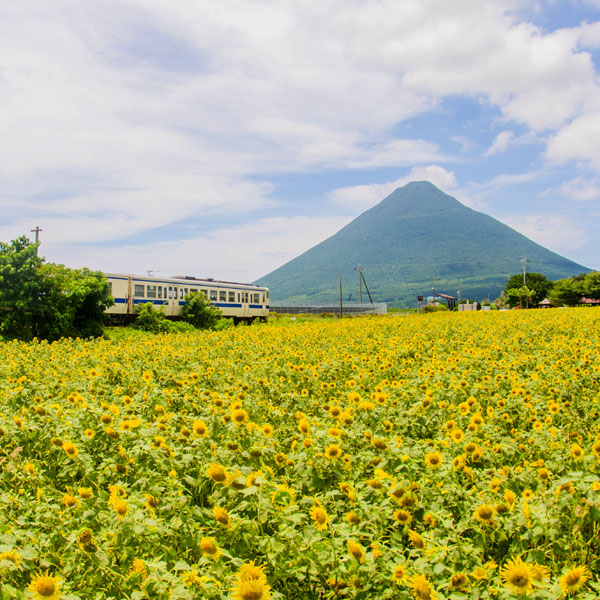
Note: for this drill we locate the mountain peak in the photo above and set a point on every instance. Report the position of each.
(412, 236)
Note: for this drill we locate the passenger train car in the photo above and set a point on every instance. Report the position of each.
(240, 301)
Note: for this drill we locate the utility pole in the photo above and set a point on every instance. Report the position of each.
(434, 290)
(359, 269)
(37, 236)
(525, 261)
(459, 294)
(341, 301)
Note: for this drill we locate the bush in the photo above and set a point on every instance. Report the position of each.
(198, 311)
(46, 300)
(150, 319)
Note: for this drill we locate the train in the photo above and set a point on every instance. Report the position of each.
(242, 302)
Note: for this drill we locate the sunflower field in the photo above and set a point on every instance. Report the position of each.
(449, 455)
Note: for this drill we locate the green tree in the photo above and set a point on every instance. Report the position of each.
(565, 292)
(539, 284)
(198, 311)
(150, 319)
(591, 285)
(45, 300)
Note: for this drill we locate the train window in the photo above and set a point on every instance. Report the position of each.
(185, 292)
(231, 296)
(245, 297)
(205, 292)
(159, 291)
(255, 299)
(110, 288)
(138, 290)
(192, 292)
(213, 295)
(222, 296)
(150, 291)
(171, 293)
(180, 293)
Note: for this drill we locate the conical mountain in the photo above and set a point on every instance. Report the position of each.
(415, 235)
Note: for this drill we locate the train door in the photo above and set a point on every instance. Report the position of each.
(172, 301)
(245, 304)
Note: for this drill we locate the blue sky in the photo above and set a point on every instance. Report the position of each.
(224, 139)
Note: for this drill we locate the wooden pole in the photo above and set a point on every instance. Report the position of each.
(341, 300)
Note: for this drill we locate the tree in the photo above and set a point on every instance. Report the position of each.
(565, 292)
(45, 300)
(591, 285)
(536, 282)
(198, 311)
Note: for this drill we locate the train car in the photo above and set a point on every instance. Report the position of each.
(240, 301)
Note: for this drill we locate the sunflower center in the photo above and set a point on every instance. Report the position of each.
(45, 587)
(572, 579)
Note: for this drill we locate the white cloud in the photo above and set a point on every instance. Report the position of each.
(556, 232)
(500, 143)
(124, 116)
(581, 189)
(242, 253)
(362, 197)
(580, 140)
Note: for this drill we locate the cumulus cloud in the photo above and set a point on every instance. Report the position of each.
(242, 253)
(558, 233)
(580, 141)
(581, 189)
(124, 116)
(500, 143)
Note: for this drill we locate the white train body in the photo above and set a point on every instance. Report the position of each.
(240, 301)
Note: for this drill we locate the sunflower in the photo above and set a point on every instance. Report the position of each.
(70, 449)
(576, 452)
(459, 581)
(333, 451)
(251, 572)
(221, 515)
(416, 540)
(433, 460)
(403, 516)
(210, 548)
(239, 416)
(121, 507)
(356, 551)
(217, 473)
(352, 518)
(421, 588)
(11, 556)
(44, 586)
(319, 516)
(573, 579)
(400, 573)
(200, 429)
(518, 576)
(252, 589)
(485, 514)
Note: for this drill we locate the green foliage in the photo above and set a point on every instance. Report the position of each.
(565, 292)
(150, 319)
(198, 311)
(45, 300)
(591, 285)
(413, 235)
(530, 294)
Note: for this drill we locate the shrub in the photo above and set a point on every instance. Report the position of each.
(198, 311)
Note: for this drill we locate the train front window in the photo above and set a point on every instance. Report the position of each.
(150, 291)
(138, 290)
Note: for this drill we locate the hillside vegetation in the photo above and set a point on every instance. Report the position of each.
(416, 234)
